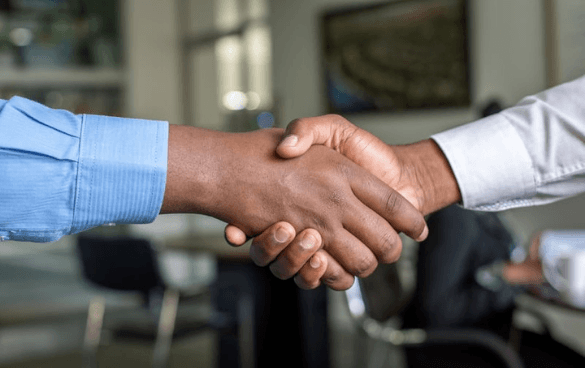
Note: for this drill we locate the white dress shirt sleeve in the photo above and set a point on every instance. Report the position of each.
(530, 154)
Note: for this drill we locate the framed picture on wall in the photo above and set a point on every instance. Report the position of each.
(564, 40)
(396, 56)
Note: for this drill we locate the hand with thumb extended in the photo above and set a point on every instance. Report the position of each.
(361, 147)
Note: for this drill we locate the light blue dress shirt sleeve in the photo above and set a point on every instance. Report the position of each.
(62, 173)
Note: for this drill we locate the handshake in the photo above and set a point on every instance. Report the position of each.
(324, 200)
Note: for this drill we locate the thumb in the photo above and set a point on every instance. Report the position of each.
(234, 236)
(301, 134)
(297, 140)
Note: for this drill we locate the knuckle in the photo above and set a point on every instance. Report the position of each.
(314, 285)
(364, 266)
(418, 225)
(320, 223)
(391, 245)
(289, 265)
(341, 284)
(336, 198)
(278, 271)
(332, 276)
(337, 119)
(392, 202)
(262, 254)
(305, 283)
(394, 254)
(344, 169)
(295, 124)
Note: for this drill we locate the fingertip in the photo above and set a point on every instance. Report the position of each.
(424, 234)
(340, 285)
(283, 232)
(234, 236)
(311, 239)
(306, 286)
(318, 261)
(335, 276)
(276, 271)
(298, 138)
(289, 147)
(309, 276)
(267, 245)
(289, 140)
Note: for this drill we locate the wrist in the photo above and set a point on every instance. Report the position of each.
(430, 174)
(193, 170)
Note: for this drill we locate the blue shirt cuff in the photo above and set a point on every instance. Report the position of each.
(121, 172)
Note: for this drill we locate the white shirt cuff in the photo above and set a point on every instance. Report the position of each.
(490, 162)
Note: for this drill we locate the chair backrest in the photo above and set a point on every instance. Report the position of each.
(460, 241)
(119, 263)
(444, 261)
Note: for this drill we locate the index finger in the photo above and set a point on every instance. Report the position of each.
(389, 204)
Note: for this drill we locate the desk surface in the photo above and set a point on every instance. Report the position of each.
(567, 325)
(215, 244)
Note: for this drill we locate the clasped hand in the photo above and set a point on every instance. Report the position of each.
(350, 216)
(363, 236)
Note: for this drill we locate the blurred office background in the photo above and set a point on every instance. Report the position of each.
(234, 65)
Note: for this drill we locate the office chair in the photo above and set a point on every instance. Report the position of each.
(471, 238)
(367, 318)
(129, 264)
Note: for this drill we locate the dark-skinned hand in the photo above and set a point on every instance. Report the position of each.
(239, 178)
(419, 172)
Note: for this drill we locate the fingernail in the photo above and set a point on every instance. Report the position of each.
(290, 141)
(424, 234)
(308, 242)
(281, 235)
(315, 262)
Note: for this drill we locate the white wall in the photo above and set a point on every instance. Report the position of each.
(152, 54)
(507, 60)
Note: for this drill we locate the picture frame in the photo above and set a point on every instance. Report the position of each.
(396, 56)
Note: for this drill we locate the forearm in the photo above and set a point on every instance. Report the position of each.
(428, 169)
